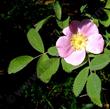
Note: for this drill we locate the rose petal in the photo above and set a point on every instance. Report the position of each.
(87, 27)
(71, 29)
(95, 44)
(76, 58)
(63, 46)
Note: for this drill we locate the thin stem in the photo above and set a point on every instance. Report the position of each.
(108, 44)
(88, 59)
(49, 103)
(89, 62)
(40, 55)
(52, 90)
(84, 95)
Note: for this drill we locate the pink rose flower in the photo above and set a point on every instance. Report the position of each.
(79, 38)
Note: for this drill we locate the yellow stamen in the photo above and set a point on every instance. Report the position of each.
(78, 41)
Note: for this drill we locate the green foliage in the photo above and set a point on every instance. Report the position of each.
(67, 67)
(46, 67)
(53, 51)
(58, 10)
(94, 88)
(88, 106)
(40, 24)
(106, 21)
(96, 21)
(63, 24)
(83, 7)
(107, 52)
(107, 4)
(107, 36)
(19, 63)
(35, 40)
(80, 81)
(99, 62)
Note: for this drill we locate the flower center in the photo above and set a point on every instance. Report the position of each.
(78, 41)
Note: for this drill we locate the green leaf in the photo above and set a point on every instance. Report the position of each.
(19, 63)
(107, 35)
(83, 7)
(99, 62)
(69, 68)
(88, 106)
(35, 40)
(57, 9)
(63, 24)
(106, 21)
(107, 4)
(107, 38)
(96, 21)
(80, 81)
(66, 67)
(62, 107)
(53, 51)
(46, 68)
(107, 52)
(43, 58)
(94, 89)
(40, 24)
